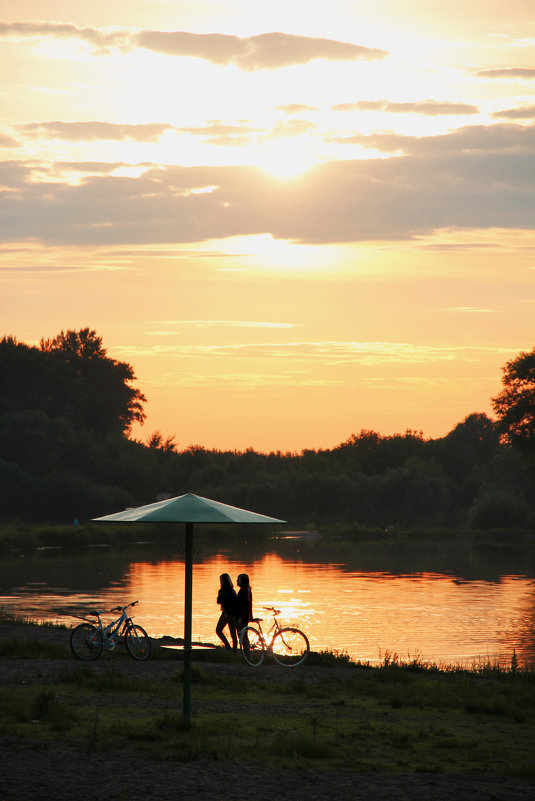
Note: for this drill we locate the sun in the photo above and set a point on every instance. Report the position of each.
(284, 159)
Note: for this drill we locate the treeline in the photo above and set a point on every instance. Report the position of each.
(464, 479)
(65, 415)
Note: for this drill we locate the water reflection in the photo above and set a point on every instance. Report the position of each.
(447, 604)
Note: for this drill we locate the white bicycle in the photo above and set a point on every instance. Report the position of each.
(288, 646)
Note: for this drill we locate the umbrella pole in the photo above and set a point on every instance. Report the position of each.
(188, 581)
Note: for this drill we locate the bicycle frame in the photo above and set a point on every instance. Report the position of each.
(275, 627)
(114, 629)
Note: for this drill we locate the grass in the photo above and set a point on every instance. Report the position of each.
(16, 620)
(29, 649)
(404, 717)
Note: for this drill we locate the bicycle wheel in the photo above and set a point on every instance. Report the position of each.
(86, 642)
(137, 642)
(252, 646)
(290, 647)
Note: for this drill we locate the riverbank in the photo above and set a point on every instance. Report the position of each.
(113, 728)
(25, 538)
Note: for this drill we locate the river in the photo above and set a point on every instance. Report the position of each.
(454, 603)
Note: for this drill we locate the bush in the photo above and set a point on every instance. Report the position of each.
(497, 508)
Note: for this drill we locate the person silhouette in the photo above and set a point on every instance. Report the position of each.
(244, 604)
(226, 598)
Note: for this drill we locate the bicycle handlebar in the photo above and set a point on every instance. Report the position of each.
(272, 610)
(115, 609)
(124, 608)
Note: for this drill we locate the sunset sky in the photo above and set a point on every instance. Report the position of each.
(295, 220)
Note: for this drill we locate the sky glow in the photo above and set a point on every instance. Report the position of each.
(294, 221)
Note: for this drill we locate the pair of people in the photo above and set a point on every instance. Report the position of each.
(236, 609)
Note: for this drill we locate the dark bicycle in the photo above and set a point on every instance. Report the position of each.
(88, 640)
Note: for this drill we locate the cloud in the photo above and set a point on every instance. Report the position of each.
(333, 353)
(522, 113)
(470, 310)
(239, 381)
(265, 51)
(290, 128)
(54, 268)
(98, 167)
(402, 382)
(362, 105)
(219, 324)
(214, 132)
(91, 131)
(431, 108)
(474, 178)
(461, 246)
(101, 41)
(507, 72)
(295, 108)
(222, 134)
(472, 138)
(8, 141)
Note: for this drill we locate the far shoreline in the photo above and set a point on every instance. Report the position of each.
(19, 538)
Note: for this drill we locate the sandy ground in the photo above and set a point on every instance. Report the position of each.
(28, 773)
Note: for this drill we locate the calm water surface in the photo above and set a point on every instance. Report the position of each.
(450, 604)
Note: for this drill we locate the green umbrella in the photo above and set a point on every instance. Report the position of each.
(188, 509)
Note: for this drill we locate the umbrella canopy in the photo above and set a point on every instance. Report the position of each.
(188, 509)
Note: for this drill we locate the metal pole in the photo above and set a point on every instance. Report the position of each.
(188, 582)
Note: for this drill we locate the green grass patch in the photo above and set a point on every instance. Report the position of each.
(42, 707)
(329, 658)
(110, 680)
(12, 648)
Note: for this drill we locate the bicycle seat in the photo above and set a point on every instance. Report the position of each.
(257, 619)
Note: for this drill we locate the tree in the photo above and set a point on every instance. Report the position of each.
(157, 442)
(24, 379)
(472, 443)
(515, 404)
(498, 508)
(90, 386)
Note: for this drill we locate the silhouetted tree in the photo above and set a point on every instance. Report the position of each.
(24, 377)
(90, 386)
(473, 442)
(515, 404)
(157, 442)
